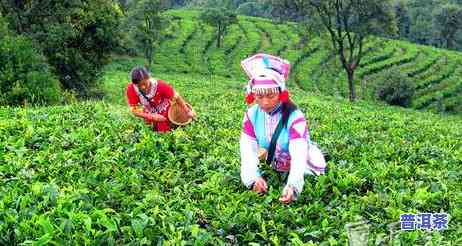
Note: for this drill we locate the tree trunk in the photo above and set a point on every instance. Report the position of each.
(219, 37)
(148, 53)
(448, 43)
(351, 85)
(151, 51)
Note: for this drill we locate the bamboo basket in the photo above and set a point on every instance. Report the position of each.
(178, 116)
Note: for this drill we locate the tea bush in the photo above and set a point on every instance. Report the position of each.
(395, 88)
(90, 173)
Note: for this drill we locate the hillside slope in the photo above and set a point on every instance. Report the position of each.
(90, 173)
(437, 73)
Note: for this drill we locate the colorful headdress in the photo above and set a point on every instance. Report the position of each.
(267, 74)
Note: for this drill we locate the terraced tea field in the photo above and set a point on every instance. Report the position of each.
(437, 73)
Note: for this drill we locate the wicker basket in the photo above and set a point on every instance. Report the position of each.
(178, 116)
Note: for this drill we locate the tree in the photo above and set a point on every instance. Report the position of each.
(25, 76)
(348, 24)
(248, 8)
(255, 8)
(178, 3)
(403, 19)
(395, 88)
(124, 4)
(205, 4)
(243, 7)
(447, 21)
(150, 24)
(421, 20)
(221, 19)
(77, 37)
(286, 10)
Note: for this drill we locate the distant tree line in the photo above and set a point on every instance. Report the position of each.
(429, 22)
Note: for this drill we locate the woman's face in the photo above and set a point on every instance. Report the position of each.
(267, 102)
(144, 85)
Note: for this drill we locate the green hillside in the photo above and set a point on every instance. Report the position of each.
(90, 173)
(437, 73)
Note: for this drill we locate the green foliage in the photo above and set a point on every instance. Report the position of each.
(347, 24)
(25, 77)
(430, 23)
(395, 88)
(149, 25)
(124, 4)
(3, 26)
(249, 9)
(420, 31)
(91, 173)
(255, 8)
(205, 4)
(221, 19)
(175, 47)
(243, 7)
(314, 68)
(447, 22)
(403, 19)
(75, 36)
(418, 21)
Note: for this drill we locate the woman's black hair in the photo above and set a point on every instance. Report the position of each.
(287, 108)
(138, 74)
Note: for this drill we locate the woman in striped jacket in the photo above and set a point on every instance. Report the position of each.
(290, 151)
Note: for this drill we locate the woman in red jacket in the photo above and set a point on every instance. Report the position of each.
(155, 97)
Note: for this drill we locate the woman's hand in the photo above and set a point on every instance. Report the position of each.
(158, 118)
(178, 99)
(288, 195)
(260, 185)
(191, 114)
(155, 118)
